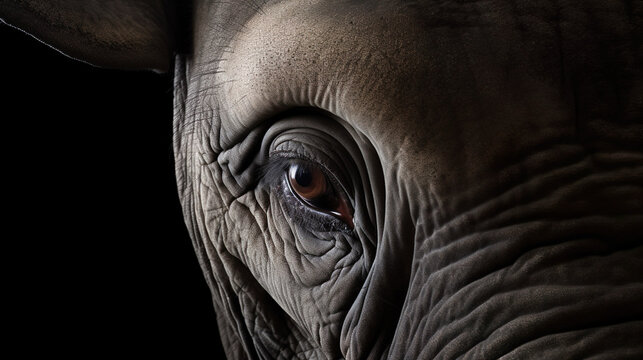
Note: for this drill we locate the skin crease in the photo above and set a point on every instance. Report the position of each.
(494, 134)
(492, 153)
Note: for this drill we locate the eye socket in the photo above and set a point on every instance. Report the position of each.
(312, 187)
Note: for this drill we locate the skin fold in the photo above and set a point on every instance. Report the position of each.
(491, 154)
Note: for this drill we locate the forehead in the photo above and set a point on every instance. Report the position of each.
(465, 71)
(368, 52)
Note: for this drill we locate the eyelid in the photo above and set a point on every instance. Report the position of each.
(334, 169)
(273, 170)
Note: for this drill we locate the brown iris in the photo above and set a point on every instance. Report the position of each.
(312, 186)
(308, 182)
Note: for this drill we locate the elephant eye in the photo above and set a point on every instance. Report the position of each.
(312, 187)
(310, 193)
(309, 183)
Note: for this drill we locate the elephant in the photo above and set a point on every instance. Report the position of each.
(397, 179)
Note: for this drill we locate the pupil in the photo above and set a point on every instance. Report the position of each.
(303, 176)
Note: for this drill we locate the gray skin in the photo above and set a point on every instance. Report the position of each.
(491, 153)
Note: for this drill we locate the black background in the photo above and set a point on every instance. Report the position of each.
(97, 258)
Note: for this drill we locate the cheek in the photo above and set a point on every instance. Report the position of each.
(314, 281)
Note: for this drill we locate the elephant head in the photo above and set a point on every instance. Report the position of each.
(398, 179)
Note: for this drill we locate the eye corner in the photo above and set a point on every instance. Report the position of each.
(271, 171)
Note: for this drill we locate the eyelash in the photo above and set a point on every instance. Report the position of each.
(272, 175)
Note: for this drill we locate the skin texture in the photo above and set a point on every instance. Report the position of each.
(494, 178)
(492, 153)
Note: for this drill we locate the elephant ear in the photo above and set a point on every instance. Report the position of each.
(115, 34)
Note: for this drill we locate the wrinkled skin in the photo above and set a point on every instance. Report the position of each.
(492, 153)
